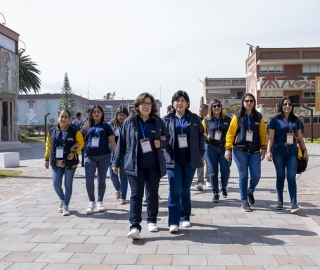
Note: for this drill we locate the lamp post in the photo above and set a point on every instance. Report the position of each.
(311, 121)
(45, 127)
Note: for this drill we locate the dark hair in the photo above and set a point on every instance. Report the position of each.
(169, 108)
(88, 111)
(91, 113)
(203, 106)
(121, 109)
(179, 94)
(140, 99)
(243, 109)
(64, 110)
(280, 114)
(78, 114)
(210, 114)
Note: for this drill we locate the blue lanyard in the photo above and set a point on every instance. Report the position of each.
(249, 121)
(217, 121)
(143, 128)
(60, 139)
(181, 122)
(96, 129)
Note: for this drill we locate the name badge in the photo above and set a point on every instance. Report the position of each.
(117, 132)
(249, 136)
(95, 142)
(182, 140)
(145, 145)
(59, 152)
(217, 135)
(289, 138)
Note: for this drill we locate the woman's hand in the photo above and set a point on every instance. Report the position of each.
(227, 155)
(306, 156)
(74, 147)
(70, 156)
(269, 156)
(263, 154)
(46, 164)
(115, 170)
(156, 143)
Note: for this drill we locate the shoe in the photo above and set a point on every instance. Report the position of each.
(90, 208)
(224, 192)
(215, 198)
(174, 228)
(208, 184)
(199, 186)
(117, 194)
(65, 211)
(246, 207)
(100, 206)
(134, 234)
(60, 207)
(186, 224)
(122, 201)
(144, 203)
(152, 227)
(279, 205)
(250, 197)
(295, 209)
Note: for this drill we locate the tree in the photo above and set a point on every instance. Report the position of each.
(67, 102)
(28, 74)
(109, 96)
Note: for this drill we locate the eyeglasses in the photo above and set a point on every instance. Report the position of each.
(216, 106)
(146, 104)
(248, 100)
(287, 104)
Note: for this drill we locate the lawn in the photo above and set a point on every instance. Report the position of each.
(34, 138)
(9, 173)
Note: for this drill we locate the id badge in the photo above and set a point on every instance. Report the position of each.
(145, 145)
(289, 138)
(217, 135)
(249, 136)
(59, 152)
(95, 141)
(183, 142)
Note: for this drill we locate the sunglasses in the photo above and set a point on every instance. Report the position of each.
(287, 104)
(248, 100)
(216, 106)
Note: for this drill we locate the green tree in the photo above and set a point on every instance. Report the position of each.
(67, 101)
(28, 74)
(109, 96)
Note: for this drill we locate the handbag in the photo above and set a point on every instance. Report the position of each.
(302, 162)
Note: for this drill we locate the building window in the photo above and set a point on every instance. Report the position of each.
(220, 92)
(310, 94)
(271, 94)
(271, 69)
(310, 68)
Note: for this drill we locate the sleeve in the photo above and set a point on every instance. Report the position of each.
(109, 131)
(231, 132)
(80, 141)
(272, 123)
(120, 147)
(48, 147)
(263, 134)
(204, 124)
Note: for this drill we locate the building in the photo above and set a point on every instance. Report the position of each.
(272, 73)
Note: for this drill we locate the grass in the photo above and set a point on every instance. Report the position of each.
(34, 138)
(9, 173)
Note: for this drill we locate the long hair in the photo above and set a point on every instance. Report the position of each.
(242, 111)
(179, 94)
(140, 99)
(90, 119)
(114, 120)
(280, 114)
(210, 114)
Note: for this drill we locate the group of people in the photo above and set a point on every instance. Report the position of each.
(142, 148)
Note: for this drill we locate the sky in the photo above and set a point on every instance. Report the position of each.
(156, 46)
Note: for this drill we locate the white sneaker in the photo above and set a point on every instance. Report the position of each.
(100, 206)
(186, 224)
(60, 207)
(153, 227)
(134, 234)
(66, 211)
(208, 184)
(199, 186)
(174, 228)
(90, 208)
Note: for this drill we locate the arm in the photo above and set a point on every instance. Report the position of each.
(270, 143)
(47, 152)
(302, 144)
(263, 138)
(206, 135)
(76, 148)
(230, 137)
(112, 141)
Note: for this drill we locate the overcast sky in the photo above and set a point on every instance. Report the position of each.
(135, 46)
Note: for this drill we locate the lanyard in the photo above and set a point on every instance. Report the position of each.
(181, 123)
(289, 124)
(142, 128)
(96, 129)
(217, 122)
(60, 139)
(249, 121)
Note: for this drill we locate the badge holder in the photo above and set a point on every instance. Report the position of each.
(217, 135)
(182, 140)
(95, 142)
(289, 138)
(59, 152)
(249, 136)
(145, 145)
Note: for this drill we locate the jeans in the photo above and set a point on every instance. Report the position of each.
(90, 164)
(202, 173)
(215, 157)
(57, 183)
(285, 159)
(179, 200)
(121, 184)
(245, 160)
(149, 178)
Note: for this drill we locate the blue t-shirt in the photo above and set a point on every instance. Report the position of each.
(182, 126)
(282, 129)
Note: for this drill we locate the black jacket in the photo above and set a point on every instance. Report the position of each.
(196, 140)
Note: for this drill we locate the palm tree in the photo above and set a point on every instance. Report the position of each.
(28, 74)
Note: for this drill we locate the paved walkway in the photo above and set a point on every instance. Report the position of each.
(33, 235)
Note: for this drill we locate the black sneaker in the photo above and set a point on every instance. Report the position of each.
(224, 192)
(279, 205)
(250, 197)
(216, 198)
(245, 206)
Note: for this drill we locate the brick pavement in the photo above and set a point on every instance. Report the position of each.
(33, 235)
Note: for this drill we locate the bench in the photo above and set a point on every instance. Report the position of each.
(9, 159)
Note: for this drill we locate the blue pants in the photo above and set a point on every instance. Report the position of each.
(91, 164)
(285, 159)
(179, 200)
(57, 183)
(215, 157)
(245, 161)
(121, 184)
(149, 178)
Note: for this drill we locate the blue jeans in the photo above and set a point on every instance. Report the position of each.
(179, 200)
(91, 164)
(215, 157)
(57, 183)
(121, 184)
(285, 159)
(245, 161)
(149, 178)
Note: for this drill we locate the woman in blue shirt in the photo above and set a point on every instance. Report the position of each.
(282, 149)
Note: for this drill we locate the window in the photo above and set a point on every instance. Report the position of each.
(271, 69)
(271, 94)
(310, 68)
(220, 92)
(310, 94)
